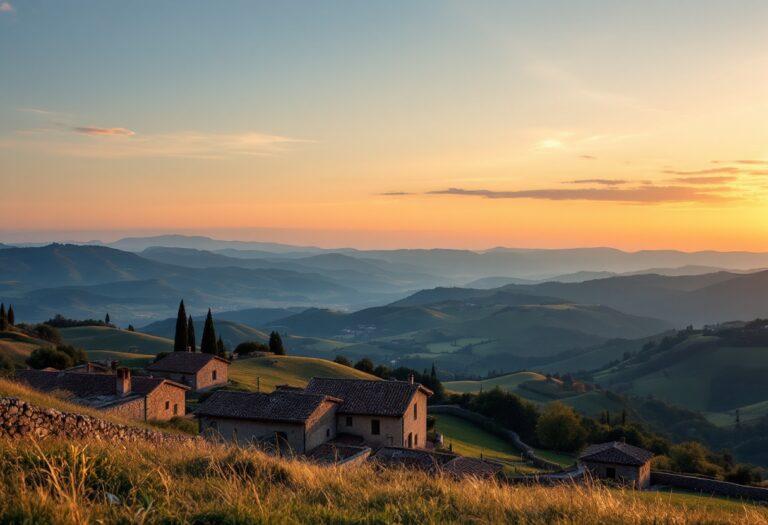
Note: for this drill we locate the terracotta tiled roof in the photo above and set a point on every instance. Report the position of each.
(280, 405)
(183, 362)
(368, 397)
(332, 452)
(412, 458)
(616, 452)
(463, 466)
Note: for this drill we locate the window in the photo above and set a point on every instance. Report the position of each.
(610, 473)
(327, 432)
(415, 411)
(167, 405)
(375, 427)
(175, 409)
(349, 421)
(416, 440)
(213, 375)
(410, 440)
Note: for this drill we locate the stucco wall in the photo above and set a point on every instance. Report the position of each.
(242, 430)
(416, 427)
(391, 429)
(204, 378)
(166, 395)
(321, 427)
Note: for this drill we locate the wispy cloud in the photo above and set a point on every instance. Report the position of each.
(395, 193)
(120, 143)
(643, 194)
(710, 171)
(602, 182)
(588, 157)
(104, 132)
(705, 180)
(6, 7)
(747, 161)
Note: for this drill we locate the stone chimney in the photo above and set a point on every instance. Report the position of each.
(411, 379)
(123, 380)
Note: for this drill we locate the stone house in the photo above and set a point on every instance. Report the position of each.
(197, 370)
(295, 421)
(618, 461)
(382, 413)
(135, 397)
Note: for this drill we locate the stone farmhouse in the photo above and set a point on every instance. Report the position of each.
(378, 413)
(383, 413)
(198, 371)
(143, 398)
(618, 461)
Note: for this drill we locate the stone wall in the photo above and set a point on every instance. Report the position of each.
(708, 486)
(19, 419)
(491, 426)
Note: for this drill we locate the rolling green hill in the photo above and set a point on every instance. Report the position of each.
(17, 346)
(505, 382)
(287, 370)
(102, 338)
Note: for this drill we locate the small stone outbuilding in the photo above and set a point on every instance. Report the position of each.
(618, 461)
(135, 397)
(198, 371)
(293, 421)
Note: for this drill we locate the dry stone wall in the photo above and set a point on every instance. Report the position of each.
(19, 419)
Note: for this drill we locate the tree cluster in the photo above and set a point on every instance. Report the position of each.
(59, 357)
(7, 318)
(184, 336)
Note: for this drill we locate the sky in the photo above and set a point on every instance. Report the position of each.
(459, 124)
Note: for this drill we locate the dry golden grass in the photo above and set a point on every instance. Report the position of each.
(61, 482)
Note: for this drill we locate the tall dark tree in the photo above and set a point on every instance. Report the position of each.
(276, 343)
(106, 319)
(11, 316)
(3, 318)
(221, 351)
(191, 335)
(180, 337)
(208, 341)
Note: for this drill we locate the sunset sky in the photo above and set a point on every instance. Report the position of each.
(387, 124)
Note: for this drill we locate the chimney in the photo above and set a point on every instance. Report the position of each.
(123, 381)
(410, 378)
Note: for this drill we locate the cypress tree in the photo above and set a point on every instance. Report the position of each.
(276, 343)
(180, 339)
(11, 316)
(3, 319)
(191, 335)
(220, 350)
(106, 319)
(208, 341)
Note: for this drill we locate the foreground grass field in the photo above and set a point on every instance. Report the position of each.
(287, 370)
(58, 482)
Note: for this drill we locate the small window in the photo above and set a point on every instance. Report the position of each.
(415, 411)
(327, 432)
(416, 440)
(213, 375)
(175, 409)
(610, 473)
(349, 421)
(375, 427)
(167, 405)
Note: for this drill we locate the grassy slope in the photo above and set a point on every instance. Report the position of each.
(101, 338)
(690, 375)
(287, 370)
(62, 483)
(18, 346)
(505, 382)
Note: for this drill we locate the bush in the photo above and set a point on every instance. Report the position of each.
(559, 428)
(61, 357)
(48, 333)
(340, 359)
(365, 365)
(249, 347)
(6, 365)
